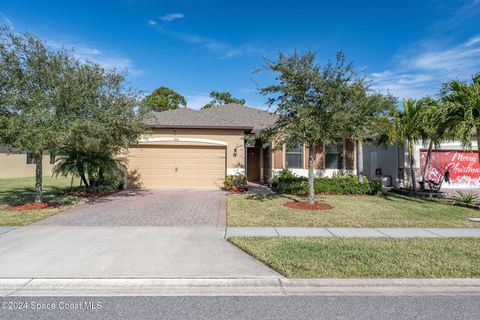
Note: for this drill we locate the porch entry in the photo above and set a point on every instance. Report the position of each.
(253, 164)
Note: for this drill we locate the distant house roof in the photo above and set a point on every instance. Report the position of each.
(247, 116)
(230, 116)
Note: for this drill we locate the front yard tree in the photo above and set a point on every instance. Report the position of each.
(436, 130)
(309, 101)
(408, 128)
(163, 99)
(101, 121)
(30, 77)
(367, 116)
(463, 103)
(222, 98)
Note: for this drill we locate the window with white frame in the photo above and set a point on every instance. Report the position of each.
(294, 157)
(334, 155)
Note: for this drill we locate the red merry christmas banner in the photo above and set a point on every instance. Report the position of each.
(463, 166)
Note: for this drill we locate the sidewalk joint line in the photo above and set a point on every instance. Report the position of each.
(328, 230)
(436, 234)
(12, 229)
(276, 231)
(19, 289)
(388, 236)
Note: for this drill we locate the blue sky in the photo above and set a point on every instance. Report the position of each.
(195, 46)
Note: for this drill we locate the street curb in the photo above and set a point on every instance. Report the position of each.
(236, 287)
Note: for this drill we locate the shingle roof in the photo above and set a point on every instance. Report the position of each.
(246, 116)
(229, 116)
(188, 118)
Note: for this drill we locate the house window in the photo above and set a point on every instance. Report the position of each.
(30, 158)
(52, 158)
(334, 155)
(294, 157)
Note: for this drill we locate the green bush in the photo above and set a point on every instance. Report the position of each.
(289, 183)
(237, 181)
(466, 198)
(346, 185)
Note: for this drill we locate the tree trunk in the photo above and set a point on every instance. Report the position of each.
(311, 178)
(38, 176)
(360, 160)
(412, 163)
(81, 173)
(478, 142)
(427, 162)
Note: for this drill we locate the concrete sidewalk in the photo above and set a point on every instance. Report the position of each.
(124, 252)
(352, 232)
(236, 287)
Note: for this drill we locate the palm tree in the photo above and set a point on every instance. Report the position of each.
(463, 103)
(408, 129)
(95, 169)
(435, 129)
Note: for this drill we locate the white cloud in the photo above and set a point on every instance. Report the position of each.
(197, 100)
(223, 49)
(105, 59)
(421, 73)
(169, 17)
(473, 41)
(152, 22)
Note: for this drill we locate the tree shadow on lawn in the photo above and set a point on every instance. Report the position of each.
(19, 196)
(392, 197)
(395, 197)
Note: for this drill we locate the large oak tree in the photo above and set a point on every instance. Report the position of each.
(31, 77)
(51, 101)
(310, 102)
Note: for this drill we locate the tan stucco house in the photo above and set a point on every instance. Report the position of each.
(19, 164)
(197, 148)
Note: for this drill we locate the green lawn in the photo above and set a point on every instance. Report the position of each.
(366, 257)
(391, 210)
(21, 190)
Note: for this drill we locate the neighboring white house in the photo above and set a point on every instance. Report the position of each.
(391, 164)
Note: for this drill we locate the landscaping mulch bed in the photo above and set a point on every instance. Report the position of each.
(235, 190)
(34, 206)
(307, 206)
(86, 194)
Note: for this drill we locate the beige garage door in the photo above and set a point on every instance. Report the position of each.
(179, 167)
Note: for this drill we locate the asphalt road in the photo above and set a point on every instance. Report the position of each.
(298, 308)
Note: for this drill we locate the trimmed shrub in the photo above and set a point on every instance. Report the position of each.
(237, 181)
(346, 185)
(297, 185)
(289, 183)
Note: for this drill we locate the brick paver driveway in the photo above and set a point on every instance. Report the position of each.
(148, 208)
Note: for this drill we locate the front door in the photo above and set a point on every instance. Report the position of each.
(253, 164)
